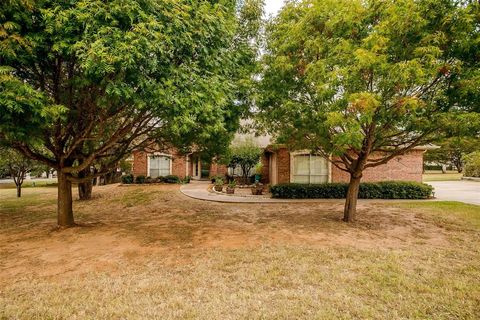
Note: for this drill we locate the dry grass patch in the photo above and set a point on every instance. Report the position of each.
(149, 252)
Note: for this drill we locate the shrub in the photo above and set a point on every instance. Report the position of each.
(171, 179)
(378, 190)
(187, 179)
(472, 165)
(127, 179)
(149, 180)
(214, 178)
(218, 182)
(140, 179)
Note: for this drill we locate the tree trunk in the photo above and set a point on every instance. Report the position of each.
(64, 207)
(19, 190)
(351, 200)
(84, 188)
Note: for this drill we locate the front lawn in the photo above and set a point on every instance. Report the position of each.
(149, 252)
(436, 175)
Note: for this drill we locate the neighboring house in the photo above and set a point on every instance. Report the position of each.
(280, 165)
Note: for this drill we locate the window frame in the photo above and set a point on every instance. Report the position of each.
(159, 154)
(310, 154)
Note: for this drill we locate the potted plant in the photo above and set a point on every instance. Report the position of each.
(258, 172)
(231, 187)
(218, 186)
(257, 188)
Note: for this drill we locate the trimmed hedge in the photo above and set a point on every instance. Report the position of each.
(127, 179)
(140, 179)
(368, 190)
(170, 179)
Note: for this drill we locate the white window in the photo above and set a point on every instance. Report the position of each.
(309, 168)
(160, 166)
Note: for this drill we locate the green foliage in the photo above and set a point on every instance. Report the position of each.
(83, 83)
(219, 182)
(364, 81)
(170, 179)
(127, 179)
(16, 164)
(214, 178)
(349, 77)
(380, 190)
(140, 179)
(472, 167)
(245, 154)
(125, 166)
(232, 183)
(453, 150)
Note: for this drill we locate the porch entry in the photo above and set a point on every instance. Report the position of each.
(201, 169)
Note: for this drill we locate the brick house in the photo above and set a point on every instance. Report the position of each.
(279, 165)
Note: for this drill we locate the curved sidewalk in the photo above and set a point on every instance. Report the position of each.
(199, 190)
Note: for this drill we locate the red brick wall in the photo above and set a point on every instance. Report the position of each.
(283, 165)
(140, 159)
(218, 169)
(179, 165)
(139, 163)
(408, 167)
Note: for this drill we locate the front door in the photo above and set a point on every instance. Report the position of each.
(201, 169)
(205, 170)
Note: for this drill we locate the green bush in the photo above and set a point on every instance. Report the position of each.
(127, 179)
(171, 179)
(140, 179)
(472, 165)
(378, 190)
(187, 179)
(214, 178)
(218, 182)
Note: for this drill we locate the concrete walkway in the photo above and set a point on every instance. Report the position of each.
(200, 190)
(463, 191)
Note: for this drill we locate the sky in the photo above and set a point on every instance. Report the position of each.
(272, 6)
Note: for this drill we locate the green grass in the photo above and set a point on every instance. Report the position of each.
(30, 184)
(439, 176)
(448, 213)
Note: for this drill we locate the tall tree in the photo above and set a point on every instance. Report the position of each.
(88, 81)
(360, 82)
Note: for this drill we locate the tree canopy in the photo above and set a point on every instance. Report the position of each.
(362, 82)
(88, 81)
(246, 155)
(17, 166)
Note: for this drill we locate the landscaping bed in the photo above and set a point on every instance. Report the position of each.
(378, 190)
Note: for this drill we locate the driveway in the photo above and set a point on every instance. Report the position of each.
(463, 191)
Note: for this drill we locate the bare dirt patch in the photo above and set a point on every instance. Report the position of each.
(127, 225)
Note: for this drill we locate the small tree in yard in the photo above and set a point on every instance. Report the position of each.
(360, 82)
(246, 155)
(86, 82)
(17, 166)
